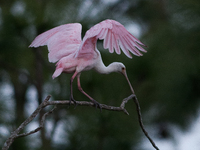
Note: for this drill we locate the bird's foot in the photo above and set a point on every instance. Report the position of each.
(72, 99)
(97, 104)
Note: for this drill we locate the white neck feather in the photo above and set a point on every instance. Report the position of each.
(101, 68)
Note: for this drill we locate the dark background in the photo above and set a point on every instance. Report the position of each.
(166, 79)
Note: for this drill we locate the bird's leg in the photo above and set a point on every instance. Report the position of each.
(80, 89)
(71, 89)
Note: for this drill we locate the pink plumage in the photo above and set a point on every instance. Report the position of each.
(61, 41)
(74, 55)
(115, 36)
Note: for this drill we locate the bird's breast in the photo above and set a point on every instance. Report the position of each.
(86, 64)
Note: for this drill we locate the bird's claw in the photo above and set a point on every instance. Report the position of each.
(97, 104)
(72, 99)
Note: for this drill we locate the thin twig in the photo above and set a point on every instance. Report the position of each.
(41, 124)
(141, 123)
(85, 103)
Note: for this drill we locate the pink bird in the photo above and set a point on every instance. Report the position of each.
(74, 55)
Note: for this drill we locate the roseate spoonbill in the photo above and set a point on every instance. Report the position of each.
(75, 55)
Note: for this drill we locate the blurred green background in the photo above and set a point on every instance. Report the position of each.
(166, 79)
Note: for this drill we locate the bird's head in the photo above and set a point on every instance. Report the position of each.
(118, 67)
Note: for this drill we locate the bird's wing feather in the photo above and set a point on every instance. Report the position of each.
(115, 36)
(61, 41)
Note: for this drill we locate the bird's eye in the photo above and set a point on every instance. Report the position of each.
(123, 68)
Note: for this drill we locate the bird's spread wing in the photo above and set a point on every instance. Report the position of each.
(61, 41)
(115, 36)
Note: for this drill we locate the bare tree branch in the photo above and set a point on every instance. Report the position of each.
(46, 102)
(41, 124)
(15, 134)
(140, 121)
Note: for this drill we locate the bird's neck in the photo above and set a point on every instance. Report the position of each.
(101, 68)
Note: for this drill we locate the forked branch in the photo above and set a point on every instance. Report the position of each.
(46, 102)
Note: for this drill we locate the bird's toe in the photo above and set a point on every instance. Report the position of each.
(97, 104)
(74, 101)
